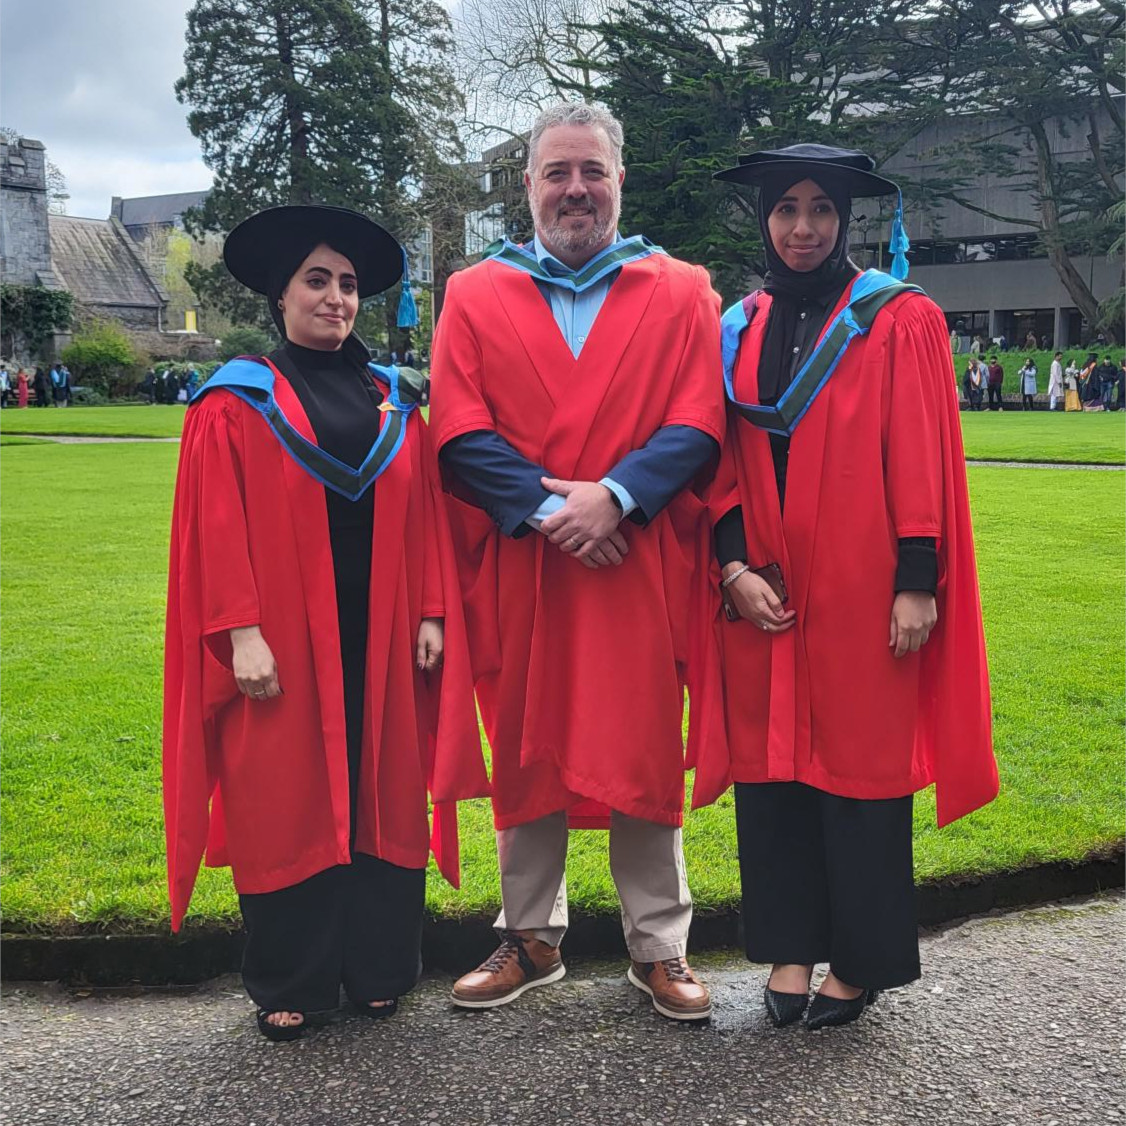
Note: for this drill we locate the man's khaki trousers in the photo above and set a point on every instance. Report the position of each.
(646, 862)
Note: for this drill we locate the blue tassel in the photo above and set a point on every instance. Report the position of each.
(899, 244)
(408, 310)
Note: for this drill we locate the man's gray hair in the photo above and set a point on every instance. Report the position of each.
(576, 113)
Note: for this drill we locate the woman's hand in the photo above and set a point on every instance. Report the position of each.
(913, 616)
(255, 669)
(757, 603)
(431, 639)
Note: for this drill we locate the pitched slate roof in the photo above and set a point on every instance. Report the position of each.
(100, 264)
(142, 211)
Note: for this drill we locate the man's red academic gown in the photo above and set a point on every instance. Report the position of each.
(581, 673)
(264, 784)
(877, 457)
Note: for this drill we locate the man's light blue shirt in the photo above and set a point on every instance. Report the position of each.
(575, 314)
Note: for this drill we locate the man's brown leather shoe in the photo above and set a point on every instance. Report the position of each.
(675, 991)
(520, 962)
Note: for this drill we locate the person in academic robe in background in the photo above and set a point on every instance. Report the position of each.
(21, 388)
(853, 647)
(42, 386)
(317, 684)
(574, 405)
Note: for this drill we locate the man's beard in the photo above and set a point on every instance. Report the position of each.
(557, 234)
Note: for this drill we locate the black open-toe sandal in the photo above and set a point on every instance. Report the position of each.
(277, 1032)
(378, 1012)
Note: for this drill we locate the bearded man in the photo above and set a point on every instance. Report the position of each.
(575, 401)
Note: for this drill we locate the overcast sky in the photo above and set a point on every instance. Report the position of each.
(92, 80)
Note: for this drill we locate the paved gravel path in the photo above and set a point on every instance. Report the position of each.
(1018, 1020)
(1044, 465)
(90, 439)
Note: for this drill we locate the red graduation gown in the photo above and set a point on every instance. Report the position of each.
(264, 785)
(581, 673)
(877, 457)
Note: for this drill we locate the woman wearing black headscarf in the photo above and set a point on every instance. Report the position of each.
(852, 642)
(316, 673)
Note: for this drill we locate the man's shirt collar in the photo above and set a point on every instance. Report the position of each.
(552, 264)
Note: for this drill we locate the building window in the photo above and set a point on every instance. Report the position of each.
(483, 228)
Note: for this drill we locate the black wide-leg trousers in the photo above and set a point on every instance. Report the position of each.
(828, 879)
(358, 925)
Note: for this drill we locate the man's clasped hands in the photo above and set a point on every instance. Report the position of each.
(587, 524)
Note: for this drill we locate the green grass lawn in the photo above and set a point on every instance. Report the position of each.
(1091, 438)
(1005, 436)
(84, 534)
(22, 440)
(136, 421)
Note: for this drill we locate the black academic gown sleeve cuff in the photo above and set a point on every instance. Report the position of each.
(917, 568)
(730, 539)
(503, 482)
(656, 472)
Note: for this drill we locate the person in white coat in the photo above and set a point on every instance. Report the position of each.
(1055, 381)
(1027, 384)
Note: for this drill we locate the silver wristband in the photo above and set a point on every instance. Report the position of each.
(725, 583)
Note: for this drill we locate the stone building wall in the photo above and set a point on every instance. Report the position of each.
(25, 245)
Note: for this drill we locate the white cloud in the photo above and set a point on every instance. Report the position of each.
(93, 179)
(94, 82)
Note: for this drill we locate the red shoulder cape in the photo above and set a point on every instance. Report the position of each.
(581, 674)
(877, 457)
(263, 786)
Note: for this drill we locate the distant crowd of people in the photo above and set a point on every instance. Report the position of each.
(168, 386)
(1093, 387)
(52, 386)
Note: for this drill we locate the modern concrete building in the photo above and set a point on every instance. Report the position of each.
(991, 276)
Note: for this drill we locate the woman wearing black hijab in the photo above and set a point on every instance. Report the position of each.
(316, 673)
(853, 652)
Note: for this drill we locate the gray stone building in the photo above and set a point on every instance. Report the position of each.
(105, 270)
(25, 249)
(142, 216)
(96, 260)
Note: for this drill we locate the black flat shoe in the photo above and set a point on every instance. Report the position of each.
(276, 1032)
(378, 1012)
(784, 1008)
(830, 1012)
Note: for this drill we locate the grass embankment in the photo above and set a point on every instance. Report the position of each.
(1097, 438)
(83, 550)
(136, 421)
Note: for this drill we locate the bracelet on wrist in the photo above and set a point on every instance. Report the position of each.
(725, 583)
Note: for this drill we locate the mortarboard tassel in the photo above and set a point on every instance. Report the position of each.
(899, 244)
(408, 310)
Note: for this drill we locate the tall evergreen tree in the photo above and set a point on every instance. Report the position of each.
(1054, 67)
(696, 82)
(348, 102)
